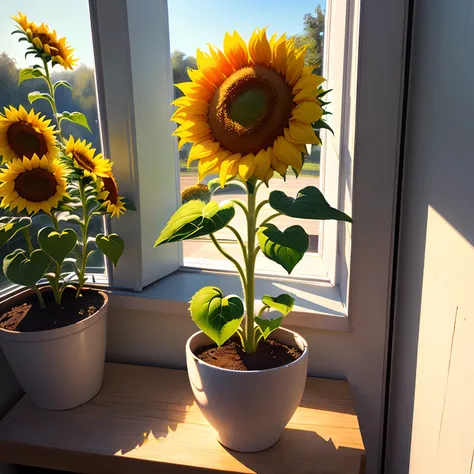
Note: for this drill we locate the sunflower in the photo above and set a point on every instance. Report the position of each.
(24, 24)
(249, 110)
(33, 184)
(109, 194)
(26, 134)
(84, 158)
(47, 41)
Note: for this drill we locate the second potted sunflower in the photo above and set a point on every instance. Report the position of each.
(53, 194)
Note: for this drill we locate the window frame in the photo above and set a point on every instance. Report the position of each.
(120, 27)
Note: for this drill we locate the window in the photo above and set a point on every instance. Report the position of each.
(193, 25)
(82, 98)
(137, 132)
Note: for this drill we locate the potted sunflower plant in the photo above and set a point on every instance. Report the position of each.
(54, 192)
(249, 110)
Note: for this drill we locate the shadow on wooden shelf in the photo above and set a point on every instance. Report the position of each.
(145, 420)
(300, 444)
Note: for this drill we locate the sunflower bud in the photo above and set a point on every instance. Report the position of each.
(198, 191)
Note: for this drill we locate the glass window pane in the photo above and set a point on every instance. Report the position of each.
(82, 98)
(194, 25)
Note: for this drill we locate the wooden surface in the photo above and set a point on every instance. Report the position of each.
(145, 420)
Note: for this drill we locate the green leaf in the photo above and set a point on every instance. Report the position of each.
(214, 185)
(29, 73)
(267, 326)
(322, 124)
(285, 248)
(36, 95)
(75, 117)
(309, 204)
(57, 245)
(111, 246)
(62, 83)
(196, 218)
(21, 270)
(129, 206)
(217, 316)
(282, 303)
(9, 226)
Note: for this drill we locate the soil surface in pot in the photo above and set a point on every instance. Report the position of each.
(269, 355)
(30, 317)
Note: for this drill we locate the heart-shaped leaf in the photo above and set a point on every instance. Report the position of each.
(57, 245)
(267, 326)
(285, 248)
(309, 204)
(217, 316)
(282, 303)
(9, 226)
(21, 270)
(29, 73)
(75, 117)
(196, 218)
(111, 246)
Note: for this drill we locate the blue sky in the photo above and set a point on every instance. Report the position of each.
(193, 23)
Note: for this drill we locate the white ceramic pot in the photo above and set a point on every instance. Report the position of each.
(248, 410)
(59, 368)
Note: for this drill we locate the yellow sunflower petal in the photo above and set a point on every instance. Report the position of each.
(194, 91)
(202, 150)
(307, 112)
(262, 165)
(229, 168)
(236, 50)
(303, 133)
(295, 65)
(308, 82)
(280, 55)
(247, 166)
(277, 165)
(211, 164)
(288, 153)
(259, 48)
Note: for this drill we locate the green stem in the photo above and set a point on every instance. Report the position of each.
(40, 296)
(269, 218)
(26, 233)
(53, 101)
(259, 207)
(85, 229)
(239, 239)
(232, 259)
(241, 205)
(249, 337)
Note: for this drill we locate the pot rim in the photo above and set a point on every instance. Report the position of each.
(300, 358)
(57, 333)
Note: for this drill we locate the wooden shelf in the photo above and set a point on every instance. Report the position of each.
(145, 420)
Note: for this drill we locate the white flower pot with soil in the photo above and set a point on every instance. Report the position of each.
(248, 409)
(62, 366)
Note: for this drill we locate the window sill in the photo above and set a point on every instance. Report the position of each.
(317, 306)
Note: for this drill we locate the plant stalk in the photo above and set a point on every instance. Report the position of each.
(249, 335)
(85, 230)
(51, 93)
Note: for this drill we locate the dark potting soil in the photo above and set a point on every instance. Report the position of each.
(270, 354)
(29, 316)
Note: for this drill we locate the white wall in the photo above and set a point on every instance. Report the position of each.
(433, 368)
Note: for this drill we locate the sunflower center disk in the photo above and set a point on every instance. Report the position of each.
(36, 185)
(84, 162)
(250, 110)
(24, 140)
(111, 188)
